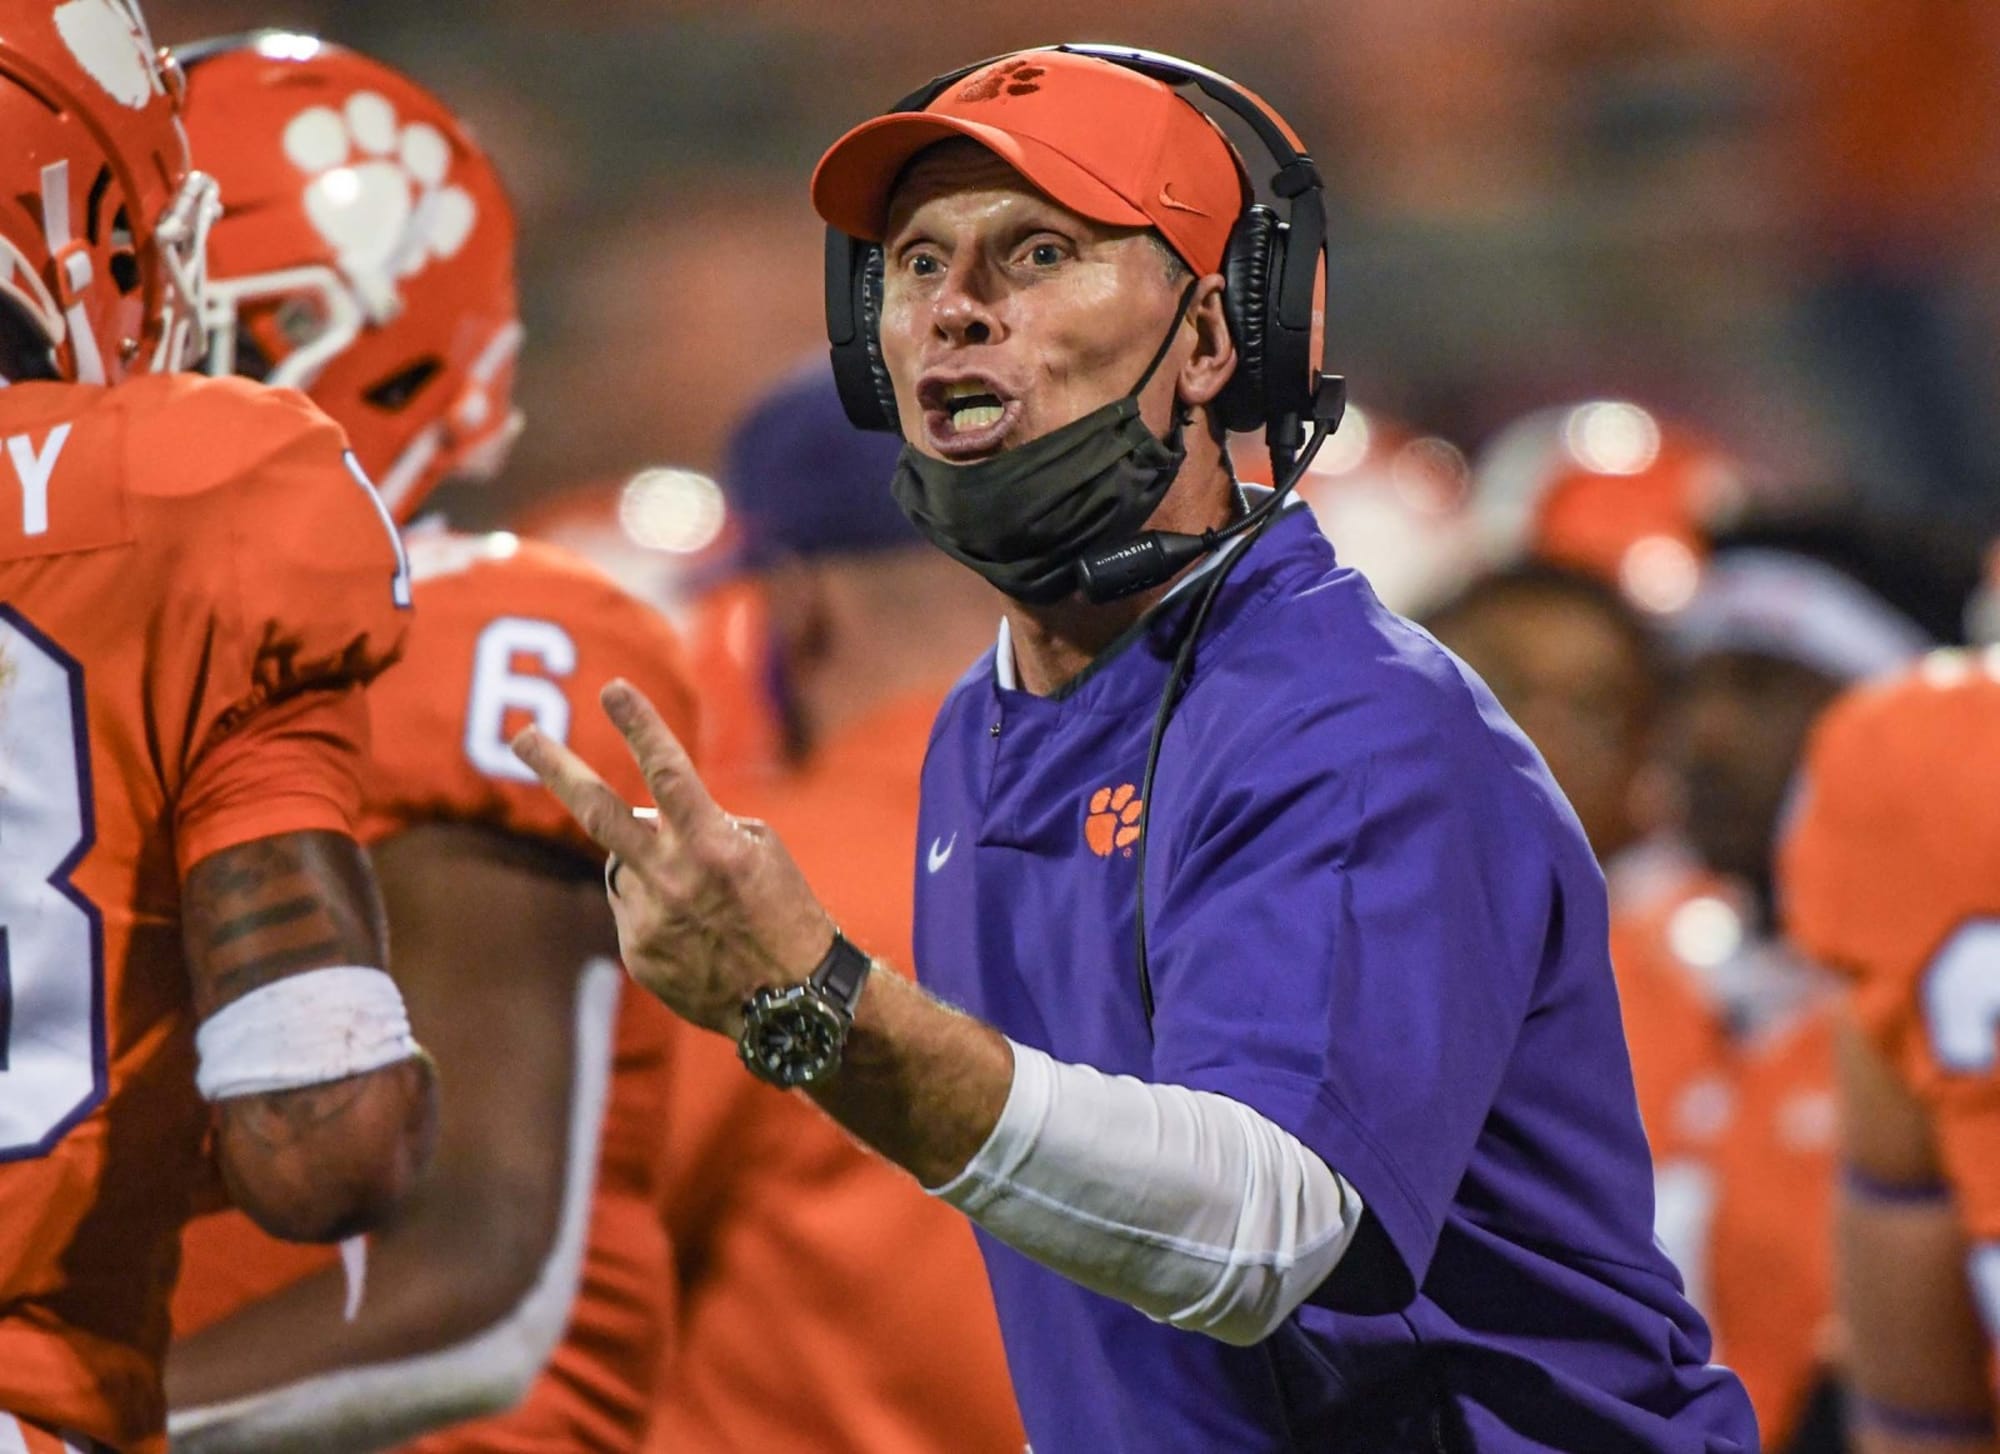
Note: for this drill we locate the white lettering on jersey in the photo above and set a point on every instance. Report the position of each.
(497, 689)
(1962, 998)
(1985, 1268)
(33, 467)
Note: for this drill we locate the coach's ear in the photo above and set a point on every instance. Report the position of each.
(1370, 1279)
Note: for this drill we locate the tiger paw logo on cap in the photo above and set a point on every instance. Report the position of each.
(1017, 77)
(1113, 820)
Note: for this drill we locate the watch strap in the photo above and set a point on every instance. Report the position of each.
(842, 973)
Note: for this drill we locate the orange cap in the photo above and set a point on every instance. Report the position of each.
(1103, 140)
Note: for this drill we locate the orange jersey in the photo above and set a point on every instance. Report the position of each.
(828, 1305)
(509, 633)
(1742, 1133)
(1891, 873)
(194, 585)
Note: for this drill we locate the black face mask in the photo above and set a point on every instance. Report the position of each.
(1023, 518)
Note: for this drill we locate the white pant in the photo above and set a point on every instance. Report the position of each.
(14, 1440)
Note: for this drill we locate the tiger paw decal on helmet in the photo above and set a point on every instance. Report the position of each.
(109, 40)
(378, 191)
(367, 256)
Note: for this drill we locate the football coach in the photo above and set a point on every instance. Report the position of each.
(1275, 1051)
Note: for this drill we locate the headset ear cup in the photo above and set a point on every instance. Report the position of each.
(1249, 269)
(871, 337)
(851, 332)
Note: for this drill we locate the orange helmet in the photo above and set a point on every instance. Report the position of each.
(366, 255)
(103, 224)
(1609, 488)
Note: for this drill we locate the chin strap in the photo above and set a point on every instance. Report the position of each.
(22, 285)
(74, 272)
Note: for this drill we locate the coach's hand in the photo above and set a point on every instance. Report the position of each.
(710, 907)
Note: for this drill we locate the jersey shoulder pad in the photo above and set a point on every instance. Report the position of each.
(187, 434)
(1896, 836)
(255, 490)
(271, 544)
(464, 582)
(162, 460)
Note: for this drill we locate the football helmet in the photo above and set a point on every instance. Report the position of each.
(365, 256)
(1610, 488)
(103, 223)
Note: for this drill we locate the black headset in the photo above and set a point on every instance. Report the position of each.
(1269, 267)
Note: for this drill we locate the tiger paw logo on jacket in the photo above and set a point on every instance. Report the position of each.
(1113, 820)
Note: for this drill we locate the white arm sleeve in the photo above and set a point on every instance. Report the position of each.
(1188, 1205)
(383, 1405)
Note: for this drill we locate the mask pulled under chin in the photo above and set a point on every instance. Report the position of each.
(1025, 517)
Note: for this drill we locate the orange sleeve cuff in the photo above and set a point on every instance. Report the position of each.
(278, 813)
(293, 768)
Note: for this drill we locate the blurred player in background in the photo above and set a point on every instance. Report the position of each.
(1609, 488)
(1892, 874)
(1730, 1048)
(1617, 512)
(196, 585)
(1747, 1154)
(784, 1227)
(1594, 519)
(369, 258)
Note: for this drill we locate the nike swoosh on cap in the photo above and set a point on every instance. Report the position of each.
(1168, 199)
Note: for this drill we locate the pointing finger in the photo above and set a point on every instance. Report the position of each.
(685, 805)
(605, 816)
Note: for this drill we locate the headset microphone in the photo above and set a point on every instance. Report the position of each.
(1140, 564)
(1157, 556)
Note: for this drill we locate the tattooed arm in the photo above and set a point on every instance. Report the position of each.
(469, 1286)
(325, 1161)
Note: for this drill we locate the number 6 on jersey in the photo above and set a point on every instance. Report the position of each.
(499, 692)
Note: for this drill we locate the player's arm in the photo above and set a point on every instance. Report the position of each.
(503, 949)
(287, 598)
(1917, 1356)
(324, 1109)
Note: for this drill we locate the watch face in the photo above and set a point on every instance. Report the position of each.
(792, 1038)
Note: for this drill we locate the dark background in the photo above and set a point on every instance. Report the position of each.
(1772, 218)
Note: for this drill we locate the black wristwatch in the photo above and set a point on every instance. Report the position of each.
(794, 1036)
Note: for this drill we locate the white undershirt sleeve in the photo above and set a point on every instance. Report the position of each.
(1190, 1206)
